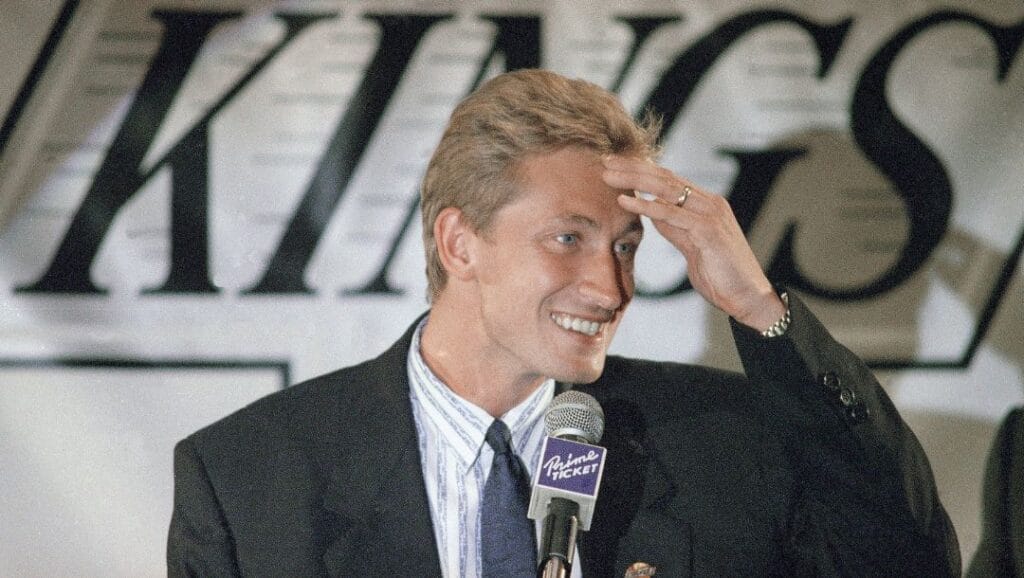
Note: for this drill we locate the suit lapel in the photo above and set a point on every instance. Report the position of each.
(376, 488)
(629, 517)
(377, 494)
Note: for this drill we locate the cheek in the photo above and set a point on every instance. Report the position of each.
(550, 271)
(628, 282)
(502, 268)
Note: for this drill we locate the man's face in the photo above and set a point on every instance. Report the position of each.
(556, 270)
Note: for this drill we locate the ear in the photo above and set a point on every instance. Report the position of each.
(453, 235)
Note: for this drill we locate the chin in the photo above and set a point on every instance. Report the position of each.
(582, 374)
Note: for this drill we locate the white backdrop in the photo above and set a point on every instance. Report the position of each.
(193, 207)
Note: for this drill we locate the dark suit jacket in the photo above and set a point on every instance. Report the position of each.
(804, 468)
(1001, 551)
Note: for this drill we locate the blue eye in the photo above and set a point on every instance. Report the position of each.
(567, 239)
(625, 248)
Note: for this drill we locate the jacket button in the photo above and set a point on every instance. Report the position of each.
(847, 397)
(830, 381)
(858, 413)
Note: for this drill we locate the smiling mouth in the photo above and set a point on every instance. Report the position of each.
(584, 326)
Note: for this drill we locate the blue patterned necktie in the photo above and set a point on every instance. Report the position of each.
(507, 540)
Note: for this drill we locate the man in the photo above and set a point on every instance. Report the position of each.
(530, 229)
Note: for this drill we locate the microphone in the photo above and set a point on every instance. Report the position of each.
(566, 481)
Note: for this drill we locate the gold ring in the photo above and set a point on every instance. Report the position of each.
(682, 198)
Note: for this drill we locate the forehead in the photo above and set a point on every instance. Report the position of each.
(567, 185)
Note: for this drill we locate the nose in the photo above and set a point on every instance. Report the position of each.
(605, 285)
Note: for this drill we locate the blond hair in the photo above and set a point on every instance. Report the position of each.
(514, 115)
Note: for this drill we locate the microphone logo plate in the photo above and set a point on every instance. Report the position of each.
(571, 466)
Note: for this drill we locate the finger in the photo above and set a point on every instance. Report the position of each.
(623, 163)
(643, 167)
(676, 231)
(664, 187)
(657, 211)
(676, 194)
(653, 175)
(647, 177)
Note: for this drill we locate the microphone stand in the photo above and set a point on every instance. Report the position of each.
(558, 542)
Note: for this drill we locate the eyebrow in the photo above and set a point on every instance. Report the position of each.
(635, 226)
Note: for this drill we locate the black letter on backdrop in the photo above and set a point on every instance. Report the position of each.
(643, 27)
(518, 39)
(400, 35)
(918, 176)
(118, 178)
(757, 169)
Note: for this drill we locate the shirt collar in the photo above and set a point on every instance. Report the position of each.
(462, 425)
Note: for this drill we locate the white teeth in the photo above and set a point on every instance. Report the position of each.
(576, 324)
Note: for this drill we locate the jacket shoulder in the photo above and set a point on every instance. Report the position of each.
(651, 380)
(666, 392)
(324, 410)
(284, 409)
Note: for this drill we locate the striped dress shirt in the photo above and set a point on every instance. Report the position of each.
(456, 460)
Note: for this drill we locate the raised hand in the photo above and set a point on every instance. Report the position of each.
(701, 225)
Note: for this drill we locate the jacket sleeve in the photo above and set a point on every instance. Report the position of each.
(199, 542)
(866, 501)
(1001, 551)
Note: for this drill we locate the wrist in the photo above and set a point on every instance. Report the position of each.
(780, 326)
(766, 312)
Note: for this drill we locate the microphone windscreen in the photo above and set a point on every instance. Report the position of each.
(574, 414)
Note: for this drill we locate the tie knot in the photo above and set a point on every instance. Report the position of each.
(498, 437)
